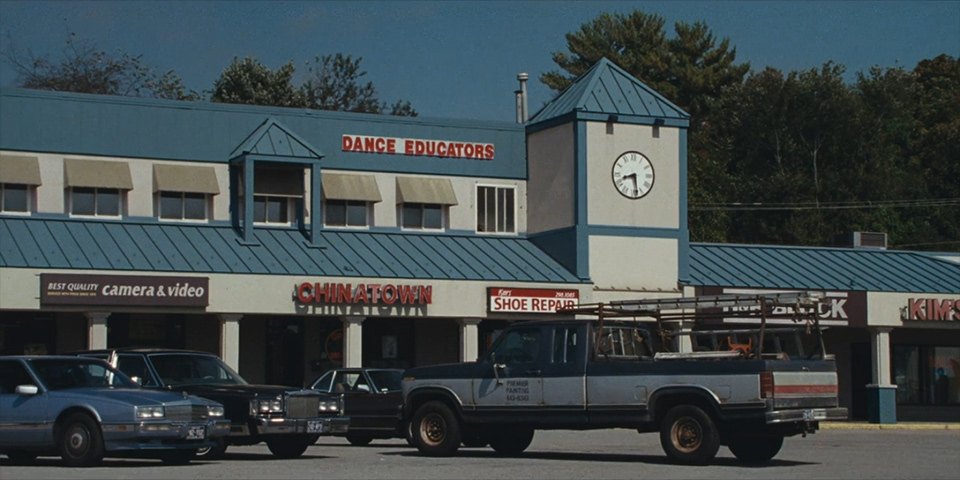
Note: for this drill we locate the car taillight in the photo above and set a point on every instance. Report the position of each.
(766, 384)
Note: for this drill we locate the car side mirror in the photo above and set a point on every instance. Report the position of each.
(27, 390)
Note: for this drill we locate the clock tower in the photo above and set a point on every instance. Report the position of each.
(607, 184)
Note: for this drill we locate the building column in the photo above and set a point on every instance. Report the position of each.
(353, 342)
(97, 330)
(881, 394)
(230, 340)
(469, 339)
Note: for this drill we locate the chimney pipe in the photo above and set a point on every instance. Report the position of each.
(522, 77)
(519, 97)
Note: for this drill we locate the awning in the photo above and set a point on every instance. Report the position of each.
(97, 174)
(19, 170)
(278, 181)
(338, 186)
(185, 178)
(425, 190)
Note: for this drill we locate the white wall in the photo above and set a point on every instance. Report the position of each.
(634, 263)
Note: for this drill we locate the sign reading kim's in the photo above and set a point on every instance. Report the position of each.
(328, 293)
(417, 147)
(125, 290)
(530, 300)
(931, 309)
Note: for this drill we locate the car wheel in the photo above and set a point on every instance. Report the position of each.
(512, 441)
(436, 430)
(80, 441)
(177, 457)
(689, 436)
(755, 448)
(359, 440)
(19, 457)
(212, 452)
(289, 447)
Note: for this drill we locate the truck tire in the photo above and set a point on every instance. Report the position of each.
(689, 436)
(291, 447)
(359, 440)
(436, 430)
(755, 449)
(80, 442)
(512, 441)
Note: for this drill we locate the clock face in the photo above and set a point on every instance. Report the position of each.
(633, 175)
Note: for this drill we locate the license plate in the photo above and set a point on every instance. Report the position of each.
(812, 415)
(196, 433)
(314, 426)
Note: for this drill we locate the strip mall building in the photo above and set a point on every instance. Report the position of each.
(289, 241)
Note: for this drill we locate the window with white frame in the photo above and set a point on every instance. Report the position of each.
(425, 216)
(496, 209)
(96, 202)
(346, 213)
(15, 198)
(183, 206)
(271, 210)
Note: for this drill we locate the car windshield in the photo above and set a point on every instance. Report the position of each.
(386, 380)
(63, 374)
(187, 369)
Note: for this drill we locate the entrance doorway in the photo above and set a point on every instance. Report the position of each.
(284, 355)
(861, 374)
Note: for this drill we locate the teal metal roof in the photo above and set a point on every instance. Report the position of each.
(767, 266)
(609, 89)
(167, 247)
(272, 138)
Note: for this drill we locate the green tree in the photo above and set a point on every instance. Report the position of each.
(84, 68)
(247, 81)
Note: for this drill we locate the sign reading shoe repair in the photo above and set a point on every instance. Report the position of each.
(529, 300)
(124, 290)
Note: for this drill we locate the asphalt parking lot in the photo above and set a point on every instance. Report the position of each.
(833, 453)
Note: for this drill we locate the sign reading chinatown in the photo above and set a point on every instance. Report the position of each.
(363, 294)
(417, 147)
(931, 309)
(127, 290)
(529, 300)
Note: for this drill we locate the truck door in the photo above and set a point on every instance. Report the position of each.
(563, 374)
(517, 360)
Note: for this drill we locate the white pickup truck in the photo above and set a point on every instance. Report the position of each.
(743, 388)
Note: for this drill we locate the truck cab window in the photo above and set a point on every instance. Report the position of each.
(521, 345)
(564, 345)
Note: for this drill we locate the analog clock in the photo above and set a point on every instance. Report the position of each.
(632, 175)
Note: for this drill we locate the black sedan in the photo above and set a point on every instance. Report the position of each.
(372, 399)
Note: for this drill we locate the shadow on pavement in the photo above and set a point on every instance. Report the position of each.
(608, 457)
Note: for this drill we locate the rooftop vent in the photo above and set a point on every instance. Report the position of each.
(876, 240)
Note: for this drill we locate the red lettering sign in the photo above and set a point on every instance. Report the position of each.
(417, 147)
(317, 293)
(530, 300)
(932, 309)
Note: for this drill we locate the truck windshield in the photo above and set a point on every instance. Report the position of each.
(63, 374)
(187, 369)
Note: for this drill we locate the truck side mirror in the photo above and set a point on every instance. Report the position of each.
(137, 380)
(496, 368)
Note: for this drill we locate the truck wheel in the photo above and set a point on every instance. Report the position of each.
(436, 430)
(512, 441)
(292, 447)
(689, 436)
(755, 448)
(359, 440)
(213, 452)
(80, 441)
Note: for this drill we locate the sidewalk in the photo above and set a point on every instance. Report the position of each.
(860, 425)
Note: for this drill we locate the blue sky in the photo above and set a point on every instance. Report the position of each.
(460, 59)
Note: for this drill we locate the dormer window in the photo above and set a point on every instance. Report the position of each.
(277, 190)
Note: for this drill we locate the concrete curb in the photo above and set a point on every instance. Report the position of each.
(889, 426)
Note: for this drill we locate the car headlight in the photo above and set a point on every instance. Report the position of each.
(329, 406)
(264, 406)
(147, 412)
(214, 411)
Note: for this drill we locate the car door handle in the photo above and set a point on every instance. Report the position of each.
(533, 372)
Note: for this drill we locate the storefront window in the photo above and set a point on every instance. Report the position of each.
(926, 375)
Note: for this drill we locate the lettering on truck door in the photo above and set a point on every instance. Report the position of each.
(517, 358)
